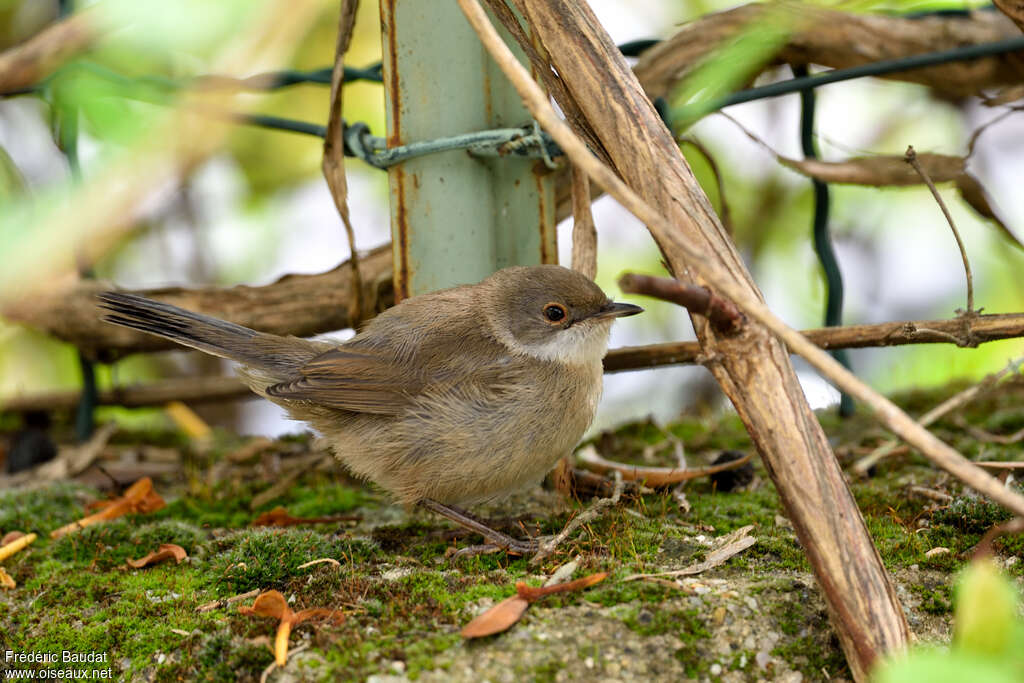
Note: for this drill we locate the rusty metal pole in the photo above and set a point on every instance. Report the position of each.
(455, 218)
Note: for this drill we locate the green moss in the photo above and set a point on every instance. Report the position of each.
(971, 515)
(810, 644)
(809, 655)
(267, 558)
(934, 599)
(43, 509)
(685, 623)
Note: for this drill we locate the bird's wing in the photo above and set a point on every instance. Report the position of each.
(361, 381)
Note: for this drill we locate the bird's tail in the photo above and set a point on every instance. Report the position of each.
(217, 337)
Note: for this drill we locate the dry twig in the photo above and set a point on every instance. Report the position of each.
(25, 65)
(726, 547)
(723, 314)
(911, 158)
(584, 232)
(652, 476)
(952, 403)
(217, 604)
(596, 509)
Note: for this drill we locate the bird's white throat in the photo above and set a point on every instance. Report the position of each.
(580, 344)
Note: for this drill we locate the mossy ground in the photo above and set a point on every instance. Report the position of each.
(758, 616)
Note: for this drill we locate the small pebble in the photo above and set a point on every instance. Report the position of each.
(715, 669)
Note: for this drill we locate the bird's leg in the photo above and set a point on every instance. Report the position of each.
(463, 518)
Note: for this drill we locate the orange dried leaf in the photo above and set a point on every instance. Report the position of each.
(531, 594)
(280, 517)
(11, 537)
(139, 498)
(276, 517)
(268, 604)
(167, 551)
(273, 604)
(16, 545)
(499, 618)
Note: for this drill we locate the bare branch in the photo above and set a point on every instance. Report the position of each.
(584, 232)
(25, 65)
(911, 158)
(699, 300)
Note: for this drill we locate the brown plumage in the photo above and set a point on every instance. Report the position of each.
(457, 396)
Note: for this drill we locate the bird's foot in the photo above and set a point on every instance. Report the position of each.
(496, 540)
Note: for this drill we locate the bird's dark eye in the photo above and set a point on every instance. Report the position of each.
(555, 313)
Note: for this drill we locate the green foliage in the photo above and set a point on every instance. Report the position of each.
(988, 643)
(730, 66)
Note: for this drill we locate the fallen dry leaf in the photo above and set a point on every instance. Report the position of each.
(10, 537)
(280, 517)
(167, 551)
(531, 594)
(250, 450)
(16, 545)
(6, 581)
(139, 498)
(499, 618)
(506, 613)
(272, 604)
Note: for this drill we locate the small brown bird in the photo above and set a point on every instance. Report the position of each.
(450, 398)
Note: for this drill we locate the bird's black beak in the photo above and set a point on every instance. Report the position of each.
(613, 309)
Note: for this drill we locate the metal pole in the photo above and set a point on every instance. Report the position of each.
(455, 218)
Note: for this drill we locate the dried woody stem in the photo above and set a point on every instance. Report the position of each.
(723, 314)
(949, 405)
(584, 232)
(24, 65)
(911, 158)
(333, 164)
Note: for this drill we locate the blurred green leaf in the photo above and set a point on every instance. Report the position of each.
(939, 666)
(11, 181)
(986, 622)
(197, 27)
(731, 66)
(988, 641)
